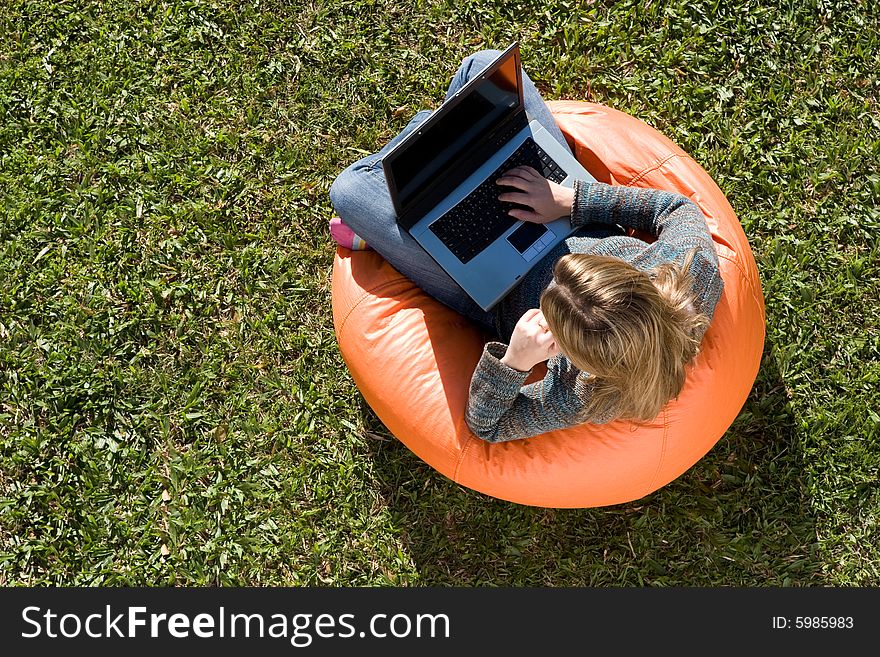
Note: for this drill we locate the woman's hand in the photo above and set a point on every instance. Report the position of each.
(531, 342)
(547, 200)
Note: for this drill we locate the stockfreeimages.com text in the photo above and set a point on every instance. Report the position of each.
(301, 629)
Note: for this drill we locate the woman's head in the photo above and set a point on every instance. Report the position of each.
(633, 332)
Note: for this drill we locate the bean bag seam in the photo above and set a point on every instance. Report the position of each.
(464, 450)
(644, 172)
(750, 282)
(747, 279)
(366, 294)
(663, 446)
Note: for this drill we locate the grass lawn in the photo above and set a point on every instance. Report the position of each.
(173, 406)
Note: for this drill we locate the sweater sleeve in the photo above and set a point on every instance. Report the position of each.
(501, 408)
(677, 222)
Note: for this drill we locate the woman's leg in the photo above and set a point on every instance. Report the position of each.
(360, 197)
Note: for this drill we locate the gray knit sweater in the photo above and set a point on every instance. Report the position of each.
(500, 406)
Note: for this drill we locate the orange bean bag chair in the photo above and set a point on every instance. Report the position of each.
(412, 358)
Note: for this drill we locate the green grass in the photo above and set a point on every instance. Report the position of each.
(173, 406)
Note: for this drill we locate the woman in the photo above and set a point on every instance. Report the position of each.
(616, 319)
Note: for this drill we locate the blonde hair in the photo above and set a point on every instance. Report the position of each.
(631, 332)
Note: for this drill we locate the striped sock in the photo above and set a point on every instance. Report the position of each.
(345, 236)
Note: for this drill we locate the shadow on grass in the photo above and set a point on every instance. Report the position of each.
(739, 517)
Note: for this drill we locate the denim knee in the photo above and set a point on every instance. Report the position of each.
(338, 191)
(480, 59)
(346, 194)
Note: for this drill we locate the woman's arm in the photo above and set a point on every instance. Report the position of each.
(650, 210)
(677, 222)
(501, 408)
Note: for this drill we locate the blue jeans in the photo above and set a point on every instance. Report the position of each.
(360, 198)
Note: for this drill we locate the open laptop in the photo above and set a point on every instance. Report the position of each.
(441, 178)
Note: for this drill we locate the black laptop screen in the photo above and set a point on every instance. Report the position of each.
(459, 127)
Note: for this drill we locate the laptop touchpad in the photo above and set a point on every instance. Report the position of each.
(530, 239)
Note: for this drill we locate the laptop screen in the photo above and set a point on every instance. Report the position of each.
(454, 129)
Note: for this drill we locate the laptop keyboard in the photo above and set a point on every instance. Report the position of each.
(480, 218)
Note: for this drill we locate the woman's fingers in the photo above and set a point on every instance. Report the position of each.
(542, 321)
(535, 316)
(547, 344)
(539, 324)
(514, 197)
(514, 181)
(545, 335)
(526, 172)
(526, 187)
(530, 343)
(519, 176)
(527, 215)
